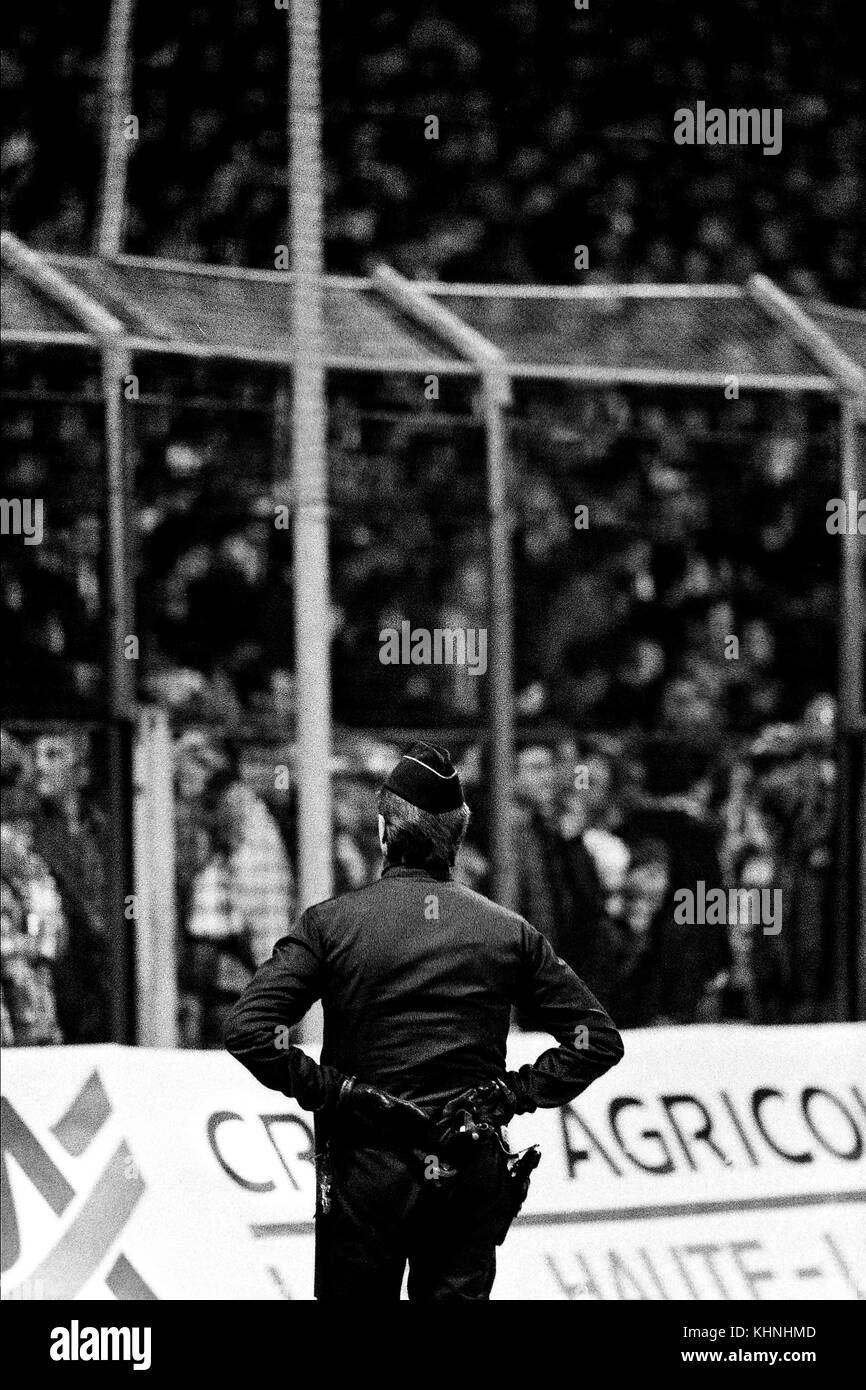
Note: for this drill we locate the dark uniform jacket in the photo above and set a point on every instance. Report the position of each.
(418, 976)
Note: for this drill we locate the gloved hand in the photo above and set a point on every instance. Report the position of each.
(357, 1099)
(488, 1105)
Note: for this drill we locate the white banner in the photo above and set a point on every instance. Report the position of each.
(712, 1163)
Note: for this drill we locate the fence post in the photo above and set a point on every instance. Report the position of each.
(309, 467)
(156, 907)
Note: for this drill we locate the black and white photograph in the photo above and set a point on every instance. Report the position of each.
(433, 761)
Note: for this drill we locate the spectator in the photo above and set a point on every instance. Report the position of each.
(68, 833)
(32, 939)
(674, 809)
(629, 963)
(535, 791)
(592, 859)
(240, 890)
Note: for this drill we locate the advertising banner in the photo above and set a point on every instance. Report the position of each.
(713, 1163)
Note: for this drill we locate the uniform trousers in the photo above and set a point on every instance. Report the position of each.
(387, 1210)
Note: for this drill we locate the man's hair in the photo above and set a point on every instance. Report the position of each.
(418, 839)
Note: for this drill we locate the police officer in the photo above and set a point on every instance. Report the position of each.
(417, 976)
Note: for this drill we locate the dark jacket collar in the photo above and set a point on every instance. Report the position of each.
(404, 871)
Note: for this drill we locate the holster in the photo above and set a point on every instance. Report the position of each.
(520, 1166)
(324, 1176)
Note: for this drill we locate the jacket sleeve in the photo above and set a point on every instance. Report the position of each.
(257, 1032)
(555, 1001)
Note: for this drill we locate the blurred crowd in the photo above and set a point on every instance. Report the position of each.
(611, 831)
(54, 933)
(704, 522)
(555, 128)
(606, 830)
(697, 521)
(51, 594)
(646, 533)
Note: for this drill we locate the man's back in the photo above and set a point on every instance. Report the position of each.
(417, 976)
(418, 982)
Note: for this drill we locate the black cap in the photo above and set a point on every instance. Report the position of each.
(426, 777)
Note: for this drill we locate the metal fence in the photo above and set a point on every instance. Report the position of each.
(434, 479)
